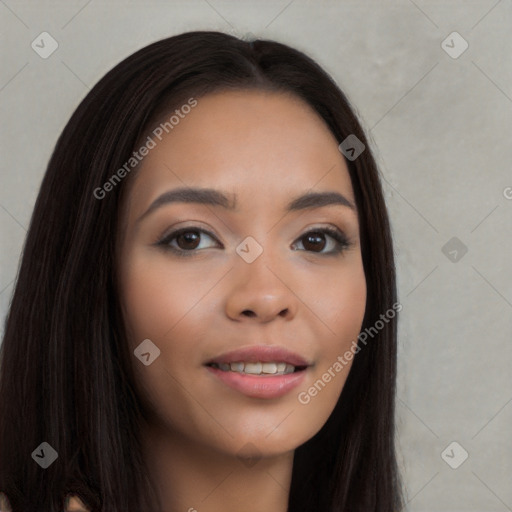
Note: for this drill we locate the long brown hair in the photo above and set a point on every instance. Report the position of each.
(65, 372)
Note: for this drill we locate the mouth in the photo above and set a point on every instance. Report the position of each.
(260, 371)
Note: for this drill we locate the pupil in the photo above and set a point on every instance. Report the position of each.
(190, 237)
(317, 238)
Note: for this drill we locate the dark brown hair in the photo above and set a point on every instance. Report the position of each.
(65, 371)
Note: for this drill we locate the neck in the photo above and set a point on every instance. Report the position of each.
(189, 477)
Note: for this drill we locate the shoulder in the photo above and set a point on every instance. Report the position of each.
(73, 504)
(4, 503)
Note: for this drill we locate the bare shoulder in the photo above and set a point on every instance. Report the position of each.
(4, 503)
(73, 504)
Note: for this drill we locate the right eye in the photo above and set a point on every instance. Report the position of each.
(187, 240)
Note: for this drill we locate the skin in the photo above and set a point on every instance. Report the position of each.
(266, 148)
(72, 504)
(75, 504)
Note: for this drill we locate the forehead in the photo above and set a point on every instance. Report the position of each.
(262, 146)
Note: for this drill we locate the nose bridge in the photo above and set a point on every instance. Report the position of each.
(258, 264)
(259, 286)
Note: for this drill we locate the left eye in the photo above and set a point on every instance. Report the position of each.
(186, 241)
(315, 241)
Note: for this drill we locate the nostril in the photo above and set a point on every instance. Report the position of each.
(249, 313)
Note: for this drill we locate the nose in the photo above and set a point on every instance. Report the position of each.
(260, 292)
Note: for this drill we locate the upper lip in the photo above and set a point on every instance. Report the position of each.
(260, 353)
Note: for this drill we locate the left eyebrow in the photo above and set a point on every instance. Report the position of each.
(212, 197)
(312, 200)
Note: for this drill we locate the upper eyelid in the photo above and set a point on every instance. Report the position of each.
(174, 232)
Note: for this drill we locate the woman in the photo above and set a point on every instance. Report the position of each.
(165, 374)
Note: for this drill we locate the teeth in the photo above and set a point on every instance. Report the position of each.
(289, 368)
(237, 367)
(253, 368)
(259, 368)
(269, 368)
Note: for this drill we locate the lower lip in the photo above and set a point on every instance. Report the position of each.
(255, 386)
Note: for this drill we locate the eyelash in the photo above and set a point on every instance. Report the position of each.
(343, 242)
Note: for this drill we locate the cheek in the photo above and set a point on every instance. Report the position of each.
(346, 304)
(337, 298)
(166, 302)
(161, 302)
(156, 297)
(338, 301)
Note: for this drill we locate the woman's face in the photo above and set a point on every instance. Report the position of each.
(246, 278)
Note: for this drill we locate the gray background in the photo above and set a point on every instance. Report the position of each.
(441, 128)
